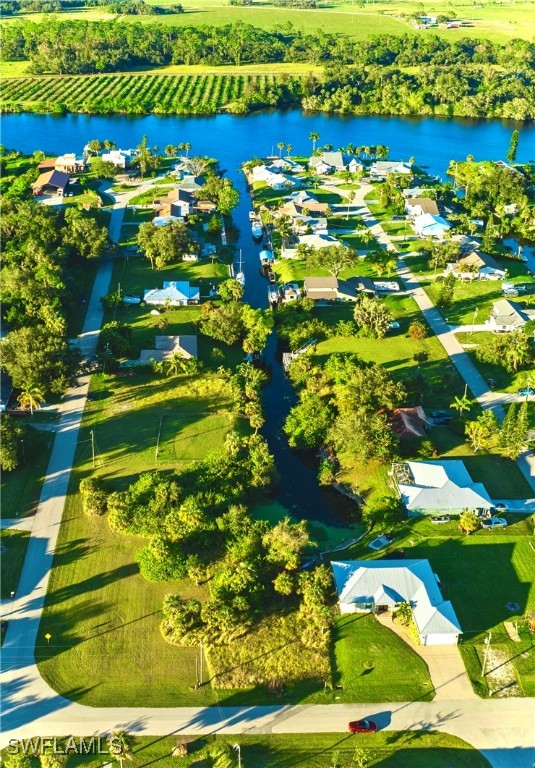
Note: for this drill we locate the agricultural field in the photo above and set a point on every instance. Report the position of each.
(135, 92)
(489, 20)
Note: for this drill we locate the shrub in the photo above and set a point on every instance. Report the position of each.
(94, 497)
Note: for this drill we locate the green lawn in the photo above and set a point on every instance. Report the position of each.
(388, 749)
(103, 617)
(20, 489)
(374, 664)
(480, 574)
(13, 550)
(506, 381)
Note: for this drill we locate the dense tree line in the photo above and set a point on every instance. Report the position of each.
(137, 7)
(44, 252)
(72, 47)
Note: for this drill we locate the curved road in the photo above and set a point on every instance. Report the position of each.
(502, 729)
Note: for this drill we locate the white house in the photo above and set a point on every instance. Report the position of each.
(284, 164)
(507, 316)
(438, 487)
(381, 168)
(477, 266)
(418, 206)
(312, 241)
(276, 181)
(174, 292)
(71, 163)
(301, 224)
(380, 586)
(122, 158)
(430, 225)
(326, 163)
(415, 192)
(165, 347)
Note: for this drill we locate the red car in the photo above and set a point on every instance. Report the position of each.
(362, 726)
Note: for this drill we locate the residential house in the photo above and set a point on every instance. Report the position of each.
(321, 288)
(352, 164)
(284, 164)
(507, 316)
(276, 181)
(380, 169)
(327, 163)
(418, 206)
(305, 204)
(429, 225)
(51, 182)
(121, 158)
(437, 487)
(175, 293)
(476, 266)
(164, 347)
(191, 183)
(381, 586)
(70, 163)
(47, 165)
(409, 423)
(291, 292)
(312, 241)
(415, 192)
(349, 289)
(309, 225)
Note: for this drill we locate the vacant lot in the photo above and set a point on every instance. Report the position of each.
(386, 749)
(103, 616)
(13, 549)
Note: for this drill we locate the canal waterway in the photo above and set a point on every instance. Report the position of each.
(233, 140)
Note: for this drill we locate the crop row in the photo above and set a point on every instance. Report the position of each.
(166, 91)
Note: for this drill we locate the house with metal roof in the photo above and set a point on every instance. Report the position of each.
(175, 293)
(437, 487)
(429, 225)
(477, 265)
(51, 182)
(381, 168)
(507, 316)
(380, 586)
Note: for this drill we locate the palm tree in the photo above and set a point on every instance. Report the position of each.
(170, 150)
(181, 146)
(288, 149)
(314, 137)
(280, 147)
(350, 197)
(31, 397)
(108, 144)
(187, 147)
(175, 364)
(461, 404)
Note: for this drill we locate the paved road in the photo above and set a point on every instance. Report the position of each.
(503, 729)
(444, 332)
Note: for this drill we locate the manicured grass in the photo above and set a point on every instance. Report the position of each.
(506, 381)
(104, 617)
(144, 198)
(396, 351)
(388, 749)
(20, 489)
(480, 574)
(374, 664)
(13, 549)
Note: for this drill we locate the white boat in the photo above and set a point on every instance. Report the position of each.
(273, 294)
(252, 216)
(257, 230)
(265, 255)
(240, 276)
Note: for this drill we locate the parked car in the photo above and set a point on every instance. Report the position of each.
(362, 726)
(494, 522)
(492, 383)
(526, 392)
(394, 324)
(524, 259)
(439, 519)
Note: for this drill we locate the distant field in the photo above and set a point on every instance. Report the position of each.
(488, 20)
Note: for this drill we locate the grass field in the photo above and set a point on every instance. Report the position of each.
(488, 20)
(103, 616)
(417, 749)
(20, 488)
(480, 574)
(13, 549)
(505, 381)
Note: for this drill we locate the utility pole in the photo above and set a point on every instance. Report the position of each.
(200, 652)
(487, 649)
(93, 447)
(158, 441)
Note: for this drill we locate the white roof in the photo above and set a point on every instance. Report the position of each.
(162, 221)
(391, 166)
(387, 582)
(443, 484)
(334, 159)
(432, 222)
(318, 241)
(172, 290)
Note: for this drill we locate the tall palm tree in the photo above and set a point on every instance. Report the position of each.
(187, 147)
(288, 149)
(280, 147)
(31, 397)
(350, 197)
(314, 137)
(461, 404)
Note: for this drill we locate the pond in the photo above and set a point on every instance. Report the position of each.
(233, 140)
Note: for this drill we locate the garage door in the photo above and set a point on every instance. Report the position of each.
(444, 639)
